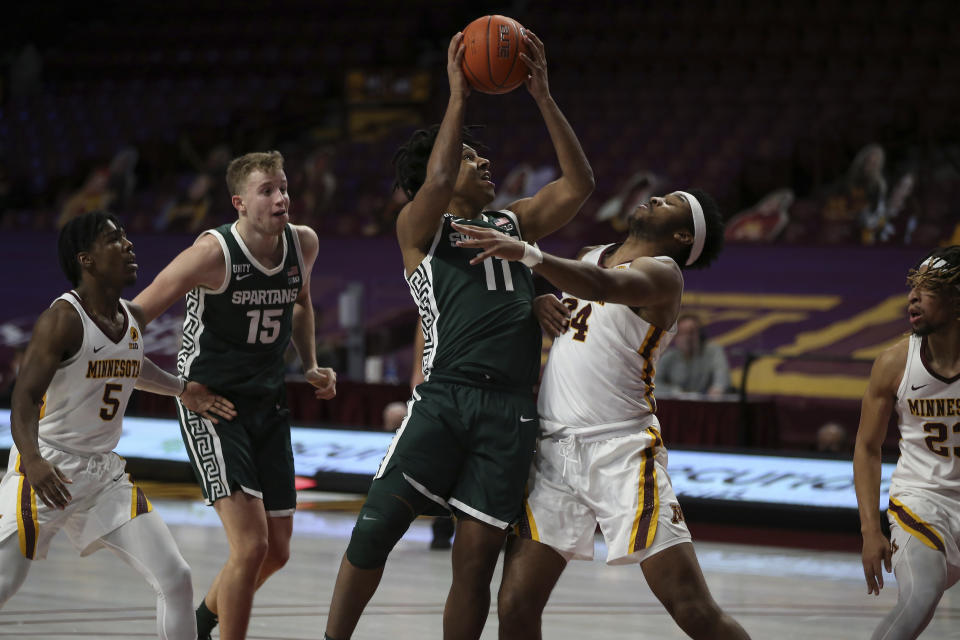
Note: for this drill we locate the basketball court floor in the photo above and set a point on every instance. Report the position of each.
(775, 593)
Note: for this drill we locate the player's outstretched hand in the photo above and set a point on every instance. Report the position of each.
(325, 381)
(48, 482)
(553, 315)
(455, 52)
(537, 83)
(876, 552)
(199, 399)
(492, 242)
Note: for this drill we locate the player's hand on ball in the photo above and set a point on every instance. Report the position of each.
(199, 399)
(553, 315)
(325, 381)
(877, 553)
(48, 482)
(458, 81)
(492, 243)
(537, 83)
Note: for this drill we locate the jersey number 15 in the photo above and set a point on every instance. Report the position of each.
(264, 326)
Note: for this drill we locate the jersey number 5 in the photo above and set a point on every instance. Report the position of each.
(265, 325)
(111, 404)
(938, 434)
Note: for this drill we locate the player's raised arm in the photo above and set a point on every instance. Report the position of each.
(875, 412)
(556, 203)
(57, 335)
(648, 281)
(200, 265)
(418, 220)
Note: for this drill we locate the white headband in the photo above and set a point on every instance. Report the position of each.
(933, 263)
(699, 226)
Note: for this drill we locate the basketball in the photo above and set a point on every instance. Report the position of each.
(492, 61)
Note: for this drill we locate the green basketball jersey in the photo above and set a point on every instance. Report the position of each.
(477, 320)
(234, 338)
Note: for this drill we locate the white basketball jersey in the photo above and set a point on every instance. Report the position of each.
(599, 374)
(82, 410)
(929, 409)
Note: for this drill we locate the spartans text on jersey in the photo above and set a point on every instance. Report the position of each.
(265, 296)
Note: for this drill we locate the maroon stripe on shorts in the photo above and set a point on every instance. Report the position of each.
(649, 500)
(26, 516)
(917, 526)
(142, 505)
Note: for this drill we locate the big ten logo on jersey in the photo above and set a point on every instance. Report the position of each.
(293, 275)
(504, 223)
(134, 338)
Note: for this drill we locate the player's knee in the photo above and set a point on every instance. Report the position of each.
(517, 612)
(177, 578)
(378, 529)
(696, 616)
(278, 555)
(250, 550)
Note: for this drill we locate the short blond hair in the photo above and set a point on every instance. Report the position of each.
(240, 168)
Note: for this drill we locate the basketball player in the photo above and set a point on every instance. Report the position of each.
(601, 458)
(920, 377)
(84, 359)
(467, 441)
(248, 296)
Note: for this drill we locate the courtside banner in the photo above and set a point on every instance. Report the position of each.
(695, 474)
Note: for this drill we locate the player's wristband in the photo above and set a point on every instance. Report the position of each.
(183, 386)
(532, 256)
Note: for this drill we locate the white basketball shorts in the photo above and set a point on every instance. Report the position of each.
(103, 499)
(931, 517)
(620, 483)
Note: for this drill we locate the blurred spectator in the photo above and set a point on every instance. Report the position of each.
(637, 190)
(190, 209)
(522, 182)
(897, 201)
(122, 180)
(764, 221)
(832, 438)
(858, 204)
(386, 221)
(393, 415)
(94, 195)
(867, 189)
(865, 181)
(315, 187)
(693, 363)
